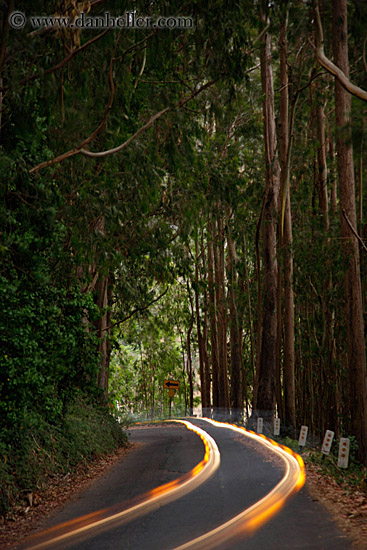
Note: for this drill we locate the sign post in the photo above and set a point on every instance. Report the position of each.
(172, 386)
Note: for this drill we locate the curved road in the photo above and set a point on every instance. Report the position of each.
(207, 495)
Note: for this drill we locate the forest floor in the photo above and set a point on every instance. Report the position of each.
(347, 505)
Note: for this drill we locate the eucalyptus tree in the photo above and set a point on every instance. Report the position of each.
(265, 398)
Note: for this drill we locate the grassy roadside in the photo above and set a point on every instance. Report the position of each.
(41, 451)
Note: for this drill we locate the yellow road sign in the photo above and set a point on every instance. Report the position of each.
(171, 384)
(171, 392)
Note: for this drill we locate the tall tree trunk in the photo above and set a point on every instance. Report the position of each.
(327, 366)
(286, 237)
(189, 355)
(360, 179)
(183, 369)
(103, 333)
(322, 164)
(207, 374)
(223, 389)
(235, 330)
(213, 319)
(331, 172)
(259, 306)
(201, 344)
(249, 314)
(353, 292)
(267, 368)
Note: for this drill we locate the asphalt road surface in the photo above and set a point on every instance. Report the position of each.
(247, 473)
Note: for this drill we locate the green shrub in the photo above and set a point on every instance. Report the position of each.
(39, 448)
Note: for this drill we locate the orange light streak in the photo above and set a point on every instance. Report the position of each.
(90, 524)
(251, 519)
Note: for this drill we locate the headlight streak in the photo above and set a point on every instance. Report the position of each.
(251, 519)
(79, 529)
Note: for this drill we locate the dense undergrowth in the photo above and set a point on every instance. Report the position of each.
(355, 476)
(40, 449)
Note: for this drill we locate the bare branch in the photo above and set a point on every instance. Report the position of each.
(147, 125)
(128, 141)
(80, 148)
(329, 65)
(354, 231)
(136, 310)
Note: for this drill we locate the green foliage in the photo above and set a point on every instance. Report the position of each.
(354, 476)
(132, 217)
(148, 352)
(46, 354)
(40, 448)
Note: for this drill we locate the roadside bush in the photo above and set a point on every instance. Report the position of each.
(40, 449)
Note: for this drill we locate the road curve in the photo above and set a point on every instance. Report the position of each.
(241, 505)
(253, 517)
(88, 525)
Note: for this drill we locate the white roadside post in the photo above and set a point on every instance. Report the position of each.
(260, 424)
(303, 436)
(328, 439)
(343, 455)
(276, 426)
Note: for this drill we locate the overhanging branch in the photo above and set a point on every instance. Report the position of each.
(80, 148)
(329, 65)
(136, 310)
(147, 125)
(354, 231)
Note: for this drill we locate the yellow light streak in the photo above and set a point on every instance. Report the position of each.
(251, 519)
(98, 521)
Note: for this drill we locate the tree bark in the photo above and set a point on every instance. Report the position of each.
(199, 331)
(235, 331)
(249, 316)
(322, 163)
(286, 237)
(207, 375)
(353, 291)
(267, 368)
(223, 388)
(213, 319)
(189, 355)
(103, 333)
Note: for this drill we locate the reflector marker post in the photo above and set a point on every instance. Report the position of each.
(303, 436)
(260, 425)
(276, 426)
(328, 439)
(343, 456)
